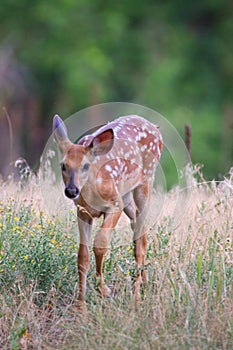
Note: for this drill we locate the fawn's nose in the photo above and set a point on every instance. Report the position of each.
(71, 192)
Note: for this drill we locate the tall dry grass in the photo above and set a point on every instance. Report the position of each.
(188, 303)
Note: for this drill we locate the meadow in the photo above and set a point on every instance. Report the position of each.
(187, 304)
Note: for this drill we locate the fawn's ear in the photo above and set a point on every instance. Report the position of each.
(60, 134)
(102, 143)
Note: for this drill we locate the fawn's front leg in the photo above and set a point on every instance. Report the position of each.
(85, 225)
(101, 244)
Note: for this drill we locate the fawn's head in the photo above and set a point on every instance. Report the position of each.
(77, 160)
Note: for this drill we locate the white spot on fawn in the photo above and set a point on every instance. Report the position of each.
(128, 154)
(114, 173)
(118, 160)
(158, 151)
(143, 148)
(99, 181)
(108, 168)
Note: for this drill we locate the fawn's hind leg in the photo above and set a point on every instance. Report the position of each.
(136, 205)
(141, 198)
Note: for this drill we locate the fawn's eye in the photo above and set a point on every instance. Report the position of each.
(63, 167)
(86, 167)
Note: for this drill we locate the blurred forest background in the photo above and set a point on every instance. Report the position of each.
(175, 57)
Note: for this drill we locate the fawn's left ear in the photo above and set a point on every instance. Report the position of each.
(102, 143)
(60, 134)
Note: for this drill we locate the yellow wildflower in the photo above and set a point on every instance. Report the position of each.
(53, 241)
(17, 228)
(38, 226)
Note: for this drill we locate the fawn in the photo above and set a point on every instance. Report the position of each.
(106, 173)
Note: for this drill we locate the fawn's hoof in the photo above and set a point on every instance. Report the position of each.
(82, 307)
(137, 290)
(104, 291)
(144, 277)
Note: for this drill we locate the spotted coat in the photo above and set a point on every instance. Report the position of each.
(106, 173)
(133, 158)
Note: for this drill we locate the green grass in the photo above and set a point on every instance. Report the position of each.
(188, 303)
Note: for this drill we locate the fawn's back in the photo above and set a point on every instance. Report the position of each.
(132, 159)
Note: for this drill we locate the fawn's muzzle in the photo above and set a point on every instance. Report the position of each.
(71, 192)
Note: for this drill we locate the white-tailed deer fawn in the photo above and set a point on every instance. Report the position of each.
(106, 173)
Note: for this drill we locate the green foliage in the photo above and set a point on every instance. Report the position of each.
(35, 251)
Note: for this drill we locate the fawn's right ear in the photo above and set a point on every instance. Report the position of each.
(60, 134)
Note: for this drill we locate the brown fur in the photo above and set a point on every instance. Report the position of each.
(121, 158)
